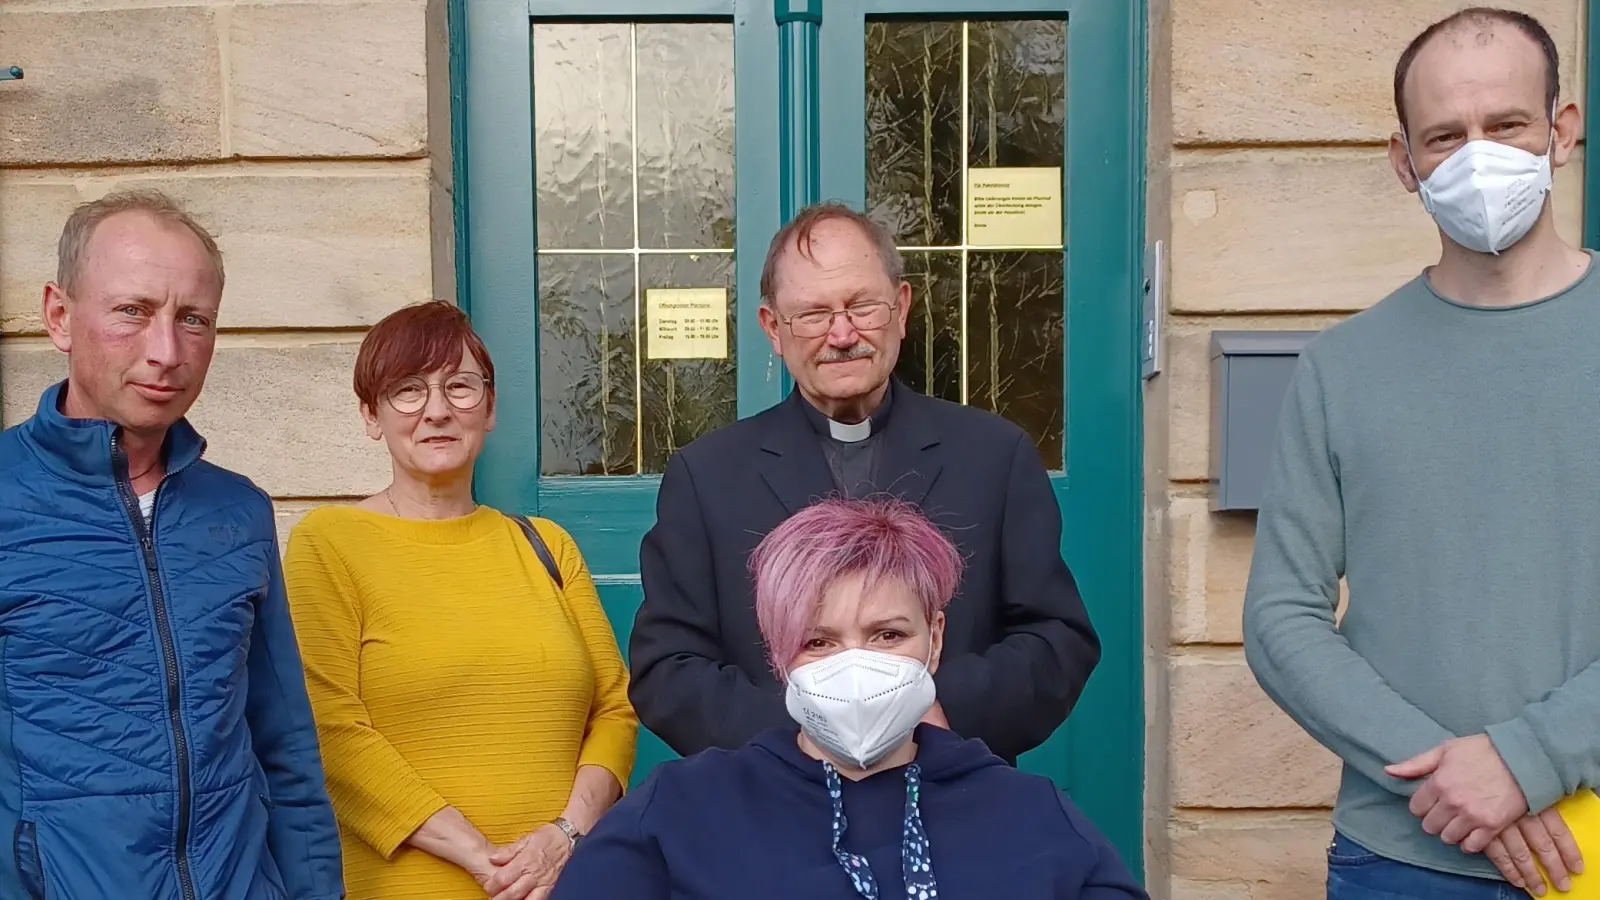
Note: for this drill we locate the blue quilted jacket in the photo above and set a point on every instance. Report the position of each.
(156, 741)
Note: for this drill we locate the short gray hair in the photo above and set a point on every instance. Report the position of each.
(80, 227)
(798, 233)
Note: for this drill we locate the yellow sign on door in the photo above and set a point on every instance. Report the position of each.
(686, 323)
(1014, 207)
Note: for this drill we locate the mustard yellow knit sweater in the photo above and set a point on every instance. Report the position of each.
(445, 668)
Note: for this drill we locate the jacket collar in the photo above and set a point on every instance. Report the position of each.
(80, 449)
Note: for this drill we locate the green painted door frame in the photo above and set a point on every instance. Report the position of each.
(1591, 134)
(799, 134)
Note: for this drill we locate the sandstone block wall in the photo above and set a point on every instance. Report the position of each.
(311, 137)
(1270, 182)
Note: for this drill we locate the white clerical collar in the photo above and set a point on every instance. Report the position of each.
(850, 434)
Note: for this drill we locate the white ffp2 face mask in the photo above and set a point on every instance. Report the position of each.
(860, 705)
(1487, 195)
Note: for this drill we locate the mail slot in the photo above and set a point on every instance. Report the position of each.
(1250, 372)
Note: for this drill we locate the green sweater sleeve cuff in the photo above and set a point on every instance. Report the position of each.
(1519, 747)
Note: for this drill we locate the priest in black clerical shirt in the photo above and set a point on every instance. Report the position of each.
(1018, 645)
(853, 450)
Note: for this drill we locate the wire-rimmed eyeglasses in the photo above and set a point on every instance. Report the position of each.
(463, 390)
(814, 323)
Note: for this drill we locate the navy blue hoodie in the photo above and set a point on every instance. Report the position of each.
(756, 823)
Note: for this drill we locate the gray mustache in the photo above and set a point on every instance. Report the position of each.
(832, 354)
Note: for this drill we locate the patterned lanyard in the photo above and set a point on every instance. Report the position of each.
(915, 864)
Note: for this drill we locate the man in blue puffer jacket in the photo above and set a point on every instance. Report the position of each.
(156, 742)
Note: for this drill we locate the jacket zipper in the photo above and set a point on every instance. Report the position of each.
(169, 653)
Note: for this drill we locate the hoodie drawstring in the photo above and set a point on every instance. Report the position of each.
(915, 862)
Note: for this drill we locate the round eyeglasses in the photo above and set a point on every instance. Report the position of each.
(463, 390)
(814, 323)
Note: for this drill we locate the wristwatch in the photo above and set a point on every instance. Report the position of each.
(568, 829)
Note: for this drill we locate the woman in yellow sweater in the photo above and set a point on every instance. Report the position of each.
(473, 714)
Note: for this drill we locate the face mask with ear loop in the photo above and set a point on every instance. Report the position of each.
(1487, 195)
(861, 705)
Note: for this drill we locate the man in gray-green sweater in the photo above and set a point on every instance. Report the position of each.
(1441, 453)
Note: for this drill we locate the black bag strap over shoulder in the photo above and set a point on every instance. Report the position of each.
(541, 550)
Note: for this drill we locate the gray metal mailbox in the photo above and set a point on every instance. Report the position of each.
(1250, 373)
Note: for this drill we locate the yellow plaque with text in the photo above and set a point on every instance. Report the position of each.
(1014, 207)
(686, 323)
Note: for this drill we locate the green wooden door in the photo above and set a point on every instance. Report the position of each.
(602, 185)
(954, 122)
(622, 165)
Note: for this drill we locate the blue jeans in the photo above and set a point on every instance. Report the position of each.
(1356, 873)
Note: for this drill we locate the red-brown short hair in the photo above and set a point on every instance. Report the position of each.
(414, 340)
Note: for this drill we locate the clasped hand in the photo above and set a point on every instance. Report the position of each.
(1471, 798)
(1545, 838)
(528, 868)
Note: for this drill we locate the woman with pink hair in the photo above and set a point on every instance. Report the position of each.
(866, 796)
